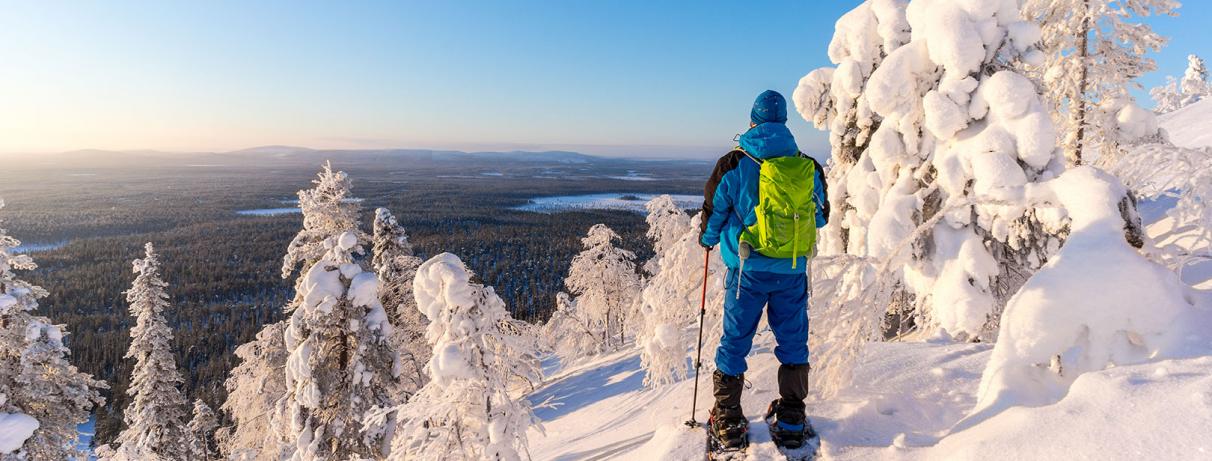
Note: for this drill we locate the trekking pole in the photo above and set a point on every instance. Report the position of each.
(698, 361)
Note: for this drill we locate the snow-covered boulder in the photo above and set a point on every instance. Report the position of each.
(1097, 304)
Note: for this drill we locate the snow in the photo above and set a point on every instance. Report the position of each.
(904, 402)
(1150, 411)
(609, 201)
(1188, 127)
(15, 428)
(1097, 303)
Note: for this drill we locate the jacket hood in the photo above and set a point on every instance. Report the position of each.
(769, 140)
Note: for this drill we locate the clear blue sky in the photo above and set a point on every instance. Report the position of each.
(651, 77)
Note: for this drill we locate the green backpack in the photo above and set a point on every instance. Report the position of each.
(786, 211)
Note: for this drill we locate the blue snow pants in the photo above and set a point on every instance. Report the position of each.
(785, 297)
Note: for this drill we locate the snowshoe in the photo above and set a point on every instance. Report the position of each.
(792, 433)
(727, 438)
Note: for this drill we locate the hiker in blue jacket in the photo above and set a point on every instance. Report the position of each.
(756, 281)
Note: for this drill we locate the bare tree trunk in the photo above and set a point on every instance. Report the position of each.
(1080, 100)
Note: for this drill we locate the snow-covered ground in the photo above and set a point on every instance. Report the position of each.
(610, 201)
(906, 398)
(1188, 127)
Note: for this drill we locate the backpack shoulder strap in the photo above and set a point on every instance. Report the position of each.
(747, 154)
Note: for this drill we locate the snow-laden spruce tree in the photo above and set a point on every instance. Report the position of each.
(669, 308)
(1177, 94)
(667, 222)
(200, 433)
(253, 390)
(467, 410)
(1194, 85)
(340, 357)
(1094, 49)
(41, 394)
(956, 122)
(396, 265)
(832, 98)
(155, 417)
(604, 282)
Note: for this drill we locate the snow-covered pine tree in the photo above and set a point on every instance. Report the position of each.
(670, 304)
(200, 433)
(666, 224)
(1094, 50)
(396, 265)
(1167, 97)
(39, 389)
(253, 390)
(1194, 85)
(155, 417)
(604, 281)
(466, 411)
(832, 98)
(340, 357)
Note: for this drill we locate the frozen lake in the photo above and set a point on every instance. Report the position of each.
(613, 201)
(36, 247)
(269, 211)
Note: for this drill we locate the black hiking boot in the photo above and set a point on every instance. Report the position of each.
(789, 426)
(727, 425)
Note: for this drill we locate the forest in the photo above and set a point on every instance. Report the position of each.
(222, 267)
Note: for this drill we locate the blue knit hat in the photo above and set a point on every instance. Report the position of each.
(770, 106)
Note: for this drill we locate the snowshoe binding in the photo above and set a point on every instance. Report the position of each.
(727, 437)
(791, 431)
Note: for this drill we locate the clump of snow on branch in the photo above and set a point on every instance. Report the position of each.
(467, 410)
(833, 98)
(1098, 303)
(15, 429)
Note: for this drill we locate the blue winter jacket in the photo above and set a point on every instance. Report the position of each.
(731, 194)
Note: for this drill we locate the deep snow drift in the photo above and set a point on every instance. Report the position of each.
(1188, 127)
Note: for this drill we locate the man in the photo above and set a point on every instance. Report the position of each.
(755, 280)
